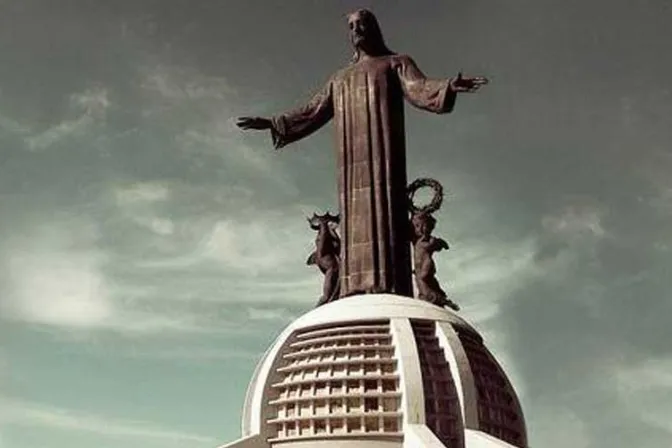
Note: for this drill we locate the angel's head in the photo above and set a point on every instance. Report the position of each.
(423, 224)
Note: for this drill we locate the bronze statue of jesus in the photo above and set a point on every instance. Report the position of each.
(366, 102)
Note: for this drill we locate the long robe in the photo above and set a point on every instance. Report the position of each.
(366, 102)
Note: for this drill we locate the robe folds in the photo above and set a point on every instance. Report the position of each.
(366, 102)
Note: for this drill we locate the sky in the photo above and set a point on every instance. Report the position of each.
(150, 251)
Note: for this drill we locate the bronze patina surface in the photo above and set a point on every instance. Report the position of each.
(365, 100)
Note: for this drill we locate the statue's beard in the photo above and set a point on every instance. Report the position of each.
(365, 45)
(358, 42)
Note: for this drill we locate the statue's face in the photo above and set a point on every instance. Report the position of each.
(420, 227)
(360, 29)
(423, 225)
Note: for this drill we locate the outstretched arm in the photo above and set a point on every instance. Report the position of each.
(298, 123)
(433, 95)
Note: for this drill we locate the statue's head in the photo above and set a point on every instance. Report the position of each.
(423, 224)
(365, 34)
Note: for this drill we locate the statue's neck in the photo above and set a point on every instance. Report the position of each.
(371, 53)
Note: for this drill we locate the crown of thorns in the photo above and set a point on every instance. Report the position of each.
(436, 201)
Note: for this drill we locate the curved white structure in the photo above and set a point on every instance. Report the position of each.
(380, 371)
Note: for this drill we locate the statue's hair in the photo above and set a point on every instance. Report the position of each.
(376, 34)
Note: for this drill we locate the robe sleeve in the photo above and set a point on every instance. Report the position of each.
(301, 122)
(433, 95)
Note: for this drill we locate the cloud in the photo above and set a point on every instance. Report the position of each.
(220, 137)
(57, 276)
(573, 331)
(561, 425)
(169, 269)
(169, 90)
(645, 376)
(235, 260)
(575, 220)
(192, 354)
(132, 322)
(93, 102)
(141, 194)
(214, 225)
(182, 267)
(4, 369)
(180, 83)
(52, 282)
(37, 415)
(271, 314)
(655, 171)
(481, 273)
(484, 264)
(12, 126)
(88, 107)
(210, 226)
(644, 389)
(137, 202)
(263, 245)
(52, 135)
(200, 109)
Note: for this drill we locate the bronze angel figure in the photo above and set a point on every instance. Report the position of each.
(327, 254)
(424, 247)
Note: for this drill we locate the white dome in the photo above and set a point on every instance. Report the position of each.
(380, 370)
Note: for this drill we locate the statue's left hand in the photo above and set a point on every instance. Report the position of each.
(467, 84)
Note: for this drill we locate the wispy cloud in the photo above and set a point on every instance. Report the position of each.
(57, 278)
(94, 102)
(141, 193)
(206, 106)
(221, 138)
(645, 376)
(131, 322)
(12, 126)
(562, 425)
(54, 281)
(643, 389)
(655, 171)
(254, 246)
(72, 274)
(87, 108)
(23, 413)
(180, 83)
(194, 354)
(4, 367)
(137, 203)
(271, 314)
(576, 220)
(230, 234)
(485, 272)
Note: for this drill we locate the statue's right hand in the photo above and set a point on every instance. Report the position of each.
(257, 123)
